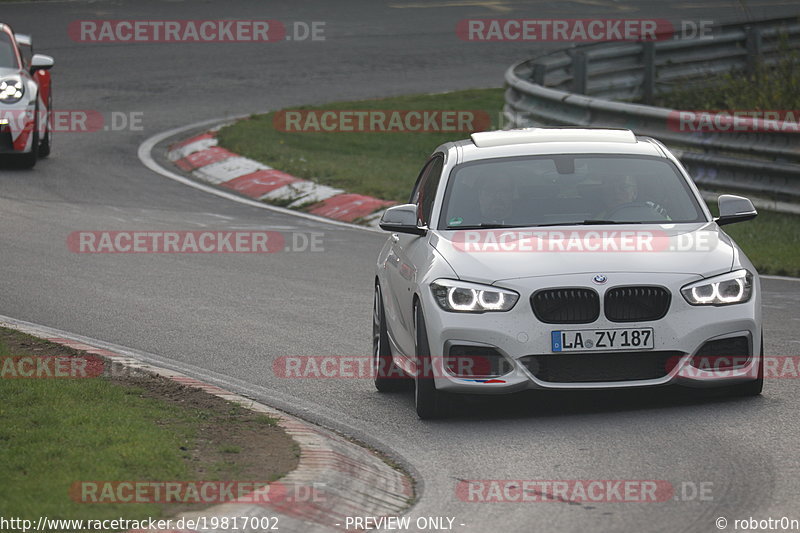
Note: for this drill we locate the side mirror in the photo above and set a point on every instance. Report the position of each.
(402, 219)
(41, 62)
(734, 209)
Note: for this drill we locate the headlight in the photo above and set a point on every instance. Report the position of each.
(464, 297)
(733, 288)
(11, 90)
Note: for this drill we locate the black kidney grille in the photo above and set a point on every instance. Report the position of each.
(566, 306)
(636, 304)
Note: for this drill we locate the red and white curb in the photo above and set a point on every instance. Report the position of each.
(348, 480)
(208, 162)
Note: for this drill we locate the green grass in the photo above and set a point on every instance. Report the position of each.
(266, 420)
(384, 165)
(56, 432)
(768, 88)
(771, 241)
(230, 449)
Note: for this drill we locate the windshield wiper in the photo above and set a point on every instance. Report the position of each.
(587, 222)
(486, 226)
(593, 221)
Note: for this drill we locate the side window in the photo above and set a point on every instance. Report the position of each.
(8, 58)
(26, 53)
(422, 174)
(425, 192)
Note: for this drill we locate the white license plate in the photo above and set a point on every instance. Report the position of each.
(583, 340)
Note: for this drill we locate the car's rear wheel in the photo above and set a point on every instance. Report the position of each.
(751, 388)
(430, 402)
(387, 375)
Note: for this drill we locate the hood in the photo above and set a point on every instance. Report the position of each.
(488, 256)
(6, 72)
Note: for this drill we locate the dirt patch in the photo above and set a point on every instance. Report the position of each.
(17, 343)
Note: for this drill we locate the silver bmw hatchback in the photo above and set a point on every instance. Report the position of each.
(566, 258)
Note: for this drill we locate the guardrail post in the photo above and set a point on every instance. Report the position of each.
(538, 73)
(754, 45)
(580, 72)
(649, 65)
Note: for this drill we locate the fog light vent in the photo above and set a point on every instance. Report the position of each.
(723, 354)
(475, 361)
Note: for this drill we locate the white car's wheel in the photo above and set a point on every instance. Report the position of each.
(430, 403)
(29, 160)
(387, 375)
(47, 142)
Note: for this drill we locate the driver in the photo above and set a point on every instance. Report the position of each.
(615, 192)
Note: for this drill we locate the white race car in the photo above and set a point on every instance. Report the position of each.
(25, 99)
(562, 259)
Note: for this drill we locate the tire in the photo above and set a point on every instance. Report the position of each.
(387, 375)
(751, 388)
(29, 160)
(47, 142)
(430, 403)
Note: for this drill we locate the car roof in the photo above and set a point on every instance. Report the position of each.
(546, 141)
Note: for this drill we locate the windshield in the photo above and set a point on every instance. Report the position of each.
(566, 190)
(8, 59)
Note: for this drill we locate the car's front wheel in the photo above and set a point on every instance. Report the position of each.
(387, 375)
(430, 403)
(29, 160)
(47, 142)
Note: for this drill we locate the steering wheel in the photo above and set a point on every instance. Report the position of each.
(636, 211)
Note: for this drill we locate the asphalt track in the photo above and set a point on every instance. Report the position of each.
(226, 317)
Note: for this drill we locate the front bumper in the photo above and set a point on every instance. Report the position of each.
(17, 122)
(517, 334)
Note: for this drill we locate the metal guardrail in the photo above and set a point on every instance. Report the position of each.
(575, 87)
